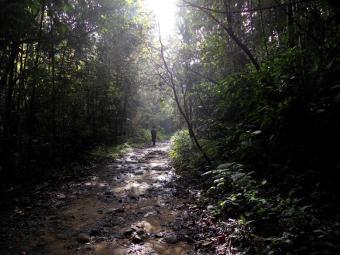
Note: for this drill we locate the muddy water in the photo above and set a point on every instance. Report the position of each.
(128, 207)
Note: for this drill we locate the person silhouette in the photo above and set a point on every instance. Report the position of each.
(153, 135)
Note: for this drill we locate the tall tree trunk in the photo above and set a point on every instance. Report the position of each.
(53, 92)
(229, 30)
(10, 90)
(31, 115)
(290, 26)
(264, 35)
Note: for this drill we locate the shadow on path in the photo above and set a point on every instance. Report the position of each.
(128, 207)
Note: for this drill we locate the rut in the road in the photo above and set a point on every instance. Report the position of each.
(128, 207)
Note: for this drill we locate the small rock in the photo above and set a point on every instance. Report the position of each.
(83, 238)
(94, 232)
(89, 248)
(131, 161)
(61, 236)
(159, 235)
(170, 239)
(109, 193)
(132, 196)
(188, 239)
(118, 221)
(139, 225)
(111, 211)
(150, 214)
(128, 232)
(100, 211)
(61, 196)
(134, 228)
(210, 207)
(206, 243)
(135, 238)
(119, 210)
(141, 232)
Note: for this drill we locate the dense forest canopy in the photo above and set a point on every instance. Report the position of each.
(253, 85)
(71, 77)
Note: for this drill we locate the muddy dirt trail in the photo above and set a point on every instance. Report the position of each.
(129, 206)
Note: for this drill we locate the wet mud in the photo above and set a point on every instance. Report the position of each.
(129, 206)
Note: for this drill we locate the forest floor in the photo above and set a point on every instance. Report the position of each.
(132, 205)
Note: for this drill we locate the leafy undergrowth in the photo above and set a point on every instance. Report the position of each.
(250, 215)
(269, 221)
(140, 139)
(105, 151)
(184, 155)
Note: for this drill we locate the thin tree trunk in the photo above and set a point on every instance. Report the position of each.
(180, 108)
(31, 116)
(228, 29)
(10, 90)
(53, 92)
(31, 110)
(21, 76)
(290, 27)
(264, 36)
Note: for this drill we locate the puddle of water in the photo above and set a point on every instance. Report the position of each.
(151, 247)
(155, 224)
(106, 248)
(162, 248)
(133, 187)
(55, 246)
(154, 213)
(84, 212)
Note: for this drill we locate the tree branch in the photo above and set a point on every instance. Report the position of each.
(180, 108)
(231, 34)
(253, 9)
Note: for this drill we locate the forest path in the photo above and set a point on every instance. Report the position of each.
(129, 206)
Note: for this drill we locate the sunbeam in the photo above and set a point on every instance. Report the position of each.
(165, 13)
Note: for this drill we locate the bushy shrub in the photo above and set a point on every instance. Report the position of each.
(141, 136)
(111, 151)
(183, 153)
(268, 221)
(279, 121)
(279, 128)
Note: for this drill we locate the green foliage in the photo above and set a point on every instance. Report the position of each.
(273, 222)
(68, 78)
(162, 135)
(183, 153)
(141, 136)
(180, 148)
(278, 123)
(74, 74)
(271, 119)
(112, 152)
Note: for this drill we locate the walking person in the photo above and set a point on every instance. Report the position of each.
(153, 135)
